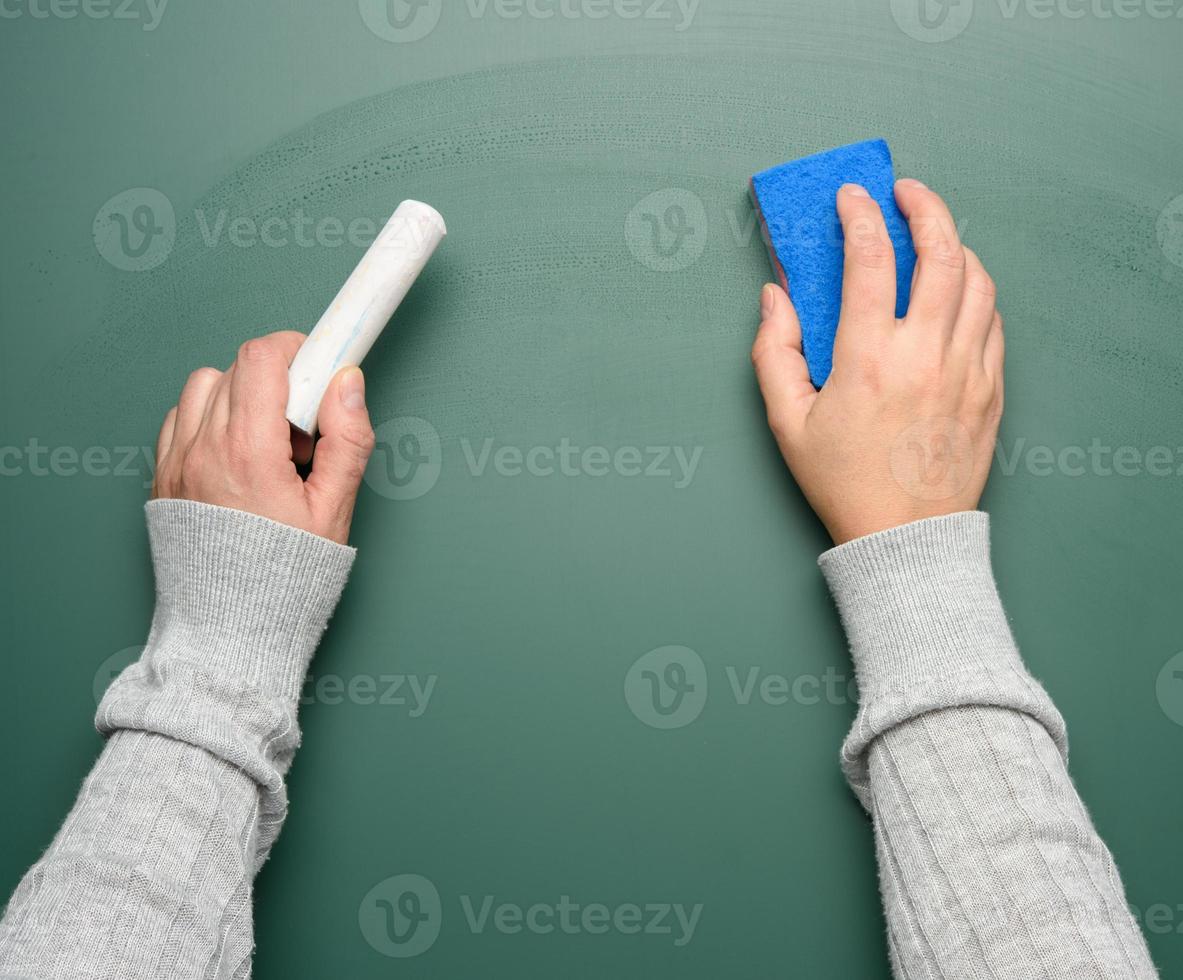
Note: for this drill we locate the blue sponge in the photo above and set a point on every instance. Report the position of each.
(797, 205)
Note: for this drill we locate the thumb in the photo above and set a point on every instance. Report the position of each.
(339, 461)
(780, 366)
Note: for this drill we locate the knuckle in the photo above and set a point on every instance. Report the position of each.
(761, 349)
(286, 342)
(926, 231)
(982, 396)
(997, 362)
(778, 425)
(192, 468)
(203, 375)
(360, 437)
(288, 336)
(948, 255)
(863, 219)
(937, 240)
(980, 282)
(873, 251)
(256, 349)
(926, 376)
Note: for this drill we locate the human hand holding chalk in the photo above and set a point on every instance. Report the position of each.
(227, 441)
(362, 308)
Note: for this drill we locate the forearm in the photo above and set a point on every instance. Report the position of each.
(989, 862)
(151, 874)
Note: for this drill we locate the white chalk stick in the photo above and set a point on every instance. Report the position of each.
(353, 321)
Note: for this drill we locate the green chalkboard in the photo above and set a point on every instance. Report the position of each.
(593, 480)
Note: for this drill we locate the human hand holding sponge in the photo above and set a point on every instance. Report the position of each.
(895, 321)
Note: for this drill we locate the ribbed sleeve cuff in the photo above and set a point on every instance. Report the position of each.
(245, 597)
(927, 630)
(919, 600)
(241, 603)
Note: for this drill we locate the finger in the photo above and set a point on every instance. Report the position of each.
(976, 316)
(940, 258)
(192, 404)
(257, 394)
(868, 277)
(217, 409)
(164, 441)
(781, 370)
(339, 462)
(994, 354)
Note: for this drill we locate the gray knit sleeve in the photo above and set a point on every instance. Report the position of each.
(151, 874)
(989, 863)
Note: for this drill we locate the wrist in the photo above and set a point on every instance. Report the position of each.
(844, 531)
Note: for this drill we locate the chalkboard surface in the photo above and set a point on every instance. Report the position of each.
(574, 487)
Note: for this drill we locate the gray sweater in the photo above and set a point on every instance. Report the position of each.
(989, 864)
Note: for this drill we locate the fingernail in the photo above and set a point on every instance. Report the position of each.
(855, 190)
(767, 301)
(353, 390)
(911, 182)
